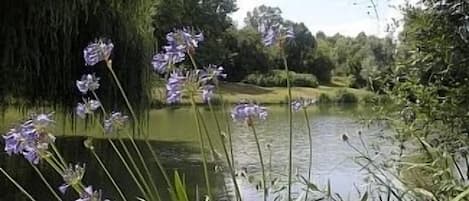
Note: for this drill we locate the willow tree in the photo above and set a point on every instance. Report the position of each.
(41, 49)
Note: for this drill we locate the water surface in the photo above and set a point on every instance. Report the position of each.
(173, 134)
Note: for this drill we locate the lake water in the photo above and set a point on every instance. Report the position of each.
(173, 135)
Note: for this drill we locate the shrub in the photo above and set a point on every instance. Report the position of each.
(324, 98)
(278, 78)
(344, 96)
(375, 99)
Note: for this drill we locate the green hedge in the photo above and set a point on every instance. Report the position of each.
(278, 78)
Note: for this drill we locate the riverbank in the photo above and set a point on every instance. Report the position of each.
(234, 92)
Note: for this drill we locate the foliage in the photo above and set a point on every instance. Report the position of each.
(429, 88)
(41, 48)
(324, 98)
(278, 78)
(344, 96)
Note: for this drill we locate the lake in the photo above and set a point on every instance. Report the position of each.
(173, 135)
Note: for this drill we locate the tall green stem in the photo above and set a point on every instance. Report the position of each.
(202, 148)
(145, 194)
(108, 175)
(128, 154)
(136, 122)
(261, 160)
(17, 185)
(310, 164)
(228, 127)
(225, 150)
(46, 182)
(290, 121)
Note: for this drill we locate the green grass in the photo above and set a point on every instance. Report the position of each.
(234, 92)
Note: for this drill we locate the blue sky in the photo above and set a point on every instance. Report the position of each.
(330, 16)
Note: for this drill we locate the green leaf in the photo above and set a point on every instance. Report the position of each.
(364, 197)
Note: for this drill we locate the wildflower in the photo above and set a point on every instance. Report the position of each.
(88, 107)
(247, 112)
(90, 195)
(174, 88)
(115, 122)
(273, 33)
(207, 92)
(212, 73)
(301, 103)
(160, 62)
(88, 82)
(97, 51)
(31, 138)
(72, 176)
(191, 41)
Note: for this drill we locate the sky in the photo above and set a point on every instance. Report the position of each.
(348, 17)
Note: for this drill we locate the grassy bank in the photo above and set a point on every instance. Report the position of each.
(234, 92)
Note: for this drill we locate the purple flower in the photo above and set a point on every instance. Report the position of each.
(88, 107)
(246, 112)
(272, 33)
(190, 40)
(269, 37)
(88, 82)
(115, 122)
(207, 92)
(174, 88)
(90, 195)
(301, 103)
(72, 175)
(97, 51)
(160, 62)
(31, 138)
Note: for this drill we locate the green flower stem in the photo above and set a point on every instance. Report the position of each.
(228, 127)
(202, 148)
(261, 160)
(225, 150)
(108, 174)
(136, 122)
(207, 134)
(118, 152)
(62, 163)
(310, 139)
(137, 170)
(290, 121)
(54, 166)
(17, 185)
(145, 194)
(160, 166)
(46, 182)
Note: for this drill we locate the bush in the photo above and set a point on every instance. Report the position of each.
(324, 98)
(344, 96)
(278, 78)
(375, 99)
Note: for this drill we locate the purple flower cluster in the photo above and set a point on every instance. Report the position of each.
(174, 87)
(272, 33)
(202, 80)
(88, 107)
(178, 44)
(246, 112)
(115, 122)
(301, 103)
(97, 51)
(72, 175)
(31, 138)
(90, 195)
(88, 82)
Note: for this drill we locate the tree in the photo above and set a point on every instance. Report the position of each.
(264, 13)
(302, 45)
